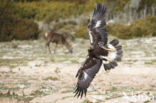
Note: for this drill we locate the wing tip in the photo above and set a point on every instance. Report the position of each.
(100, 9)
(80, 92)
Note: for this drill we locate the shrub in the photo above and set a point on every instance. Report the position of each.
(68, 25)
(24, 11)
(20, 29)
(48, 11)
(25, 29)
(12, 26)
(81, 32)
(139, 28)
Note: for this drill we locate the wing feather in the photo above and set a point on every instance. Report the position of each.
(97, 24)
(86, 74)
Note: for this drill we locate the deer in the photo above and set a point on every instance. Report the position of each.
(53, 37)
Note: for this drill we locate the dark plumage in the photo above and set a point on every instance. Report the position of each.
(86, 74)
(97, 24)
(100, 51)
(114, 42)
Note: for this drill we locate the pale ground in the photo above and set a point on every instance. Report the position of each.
(28, 73)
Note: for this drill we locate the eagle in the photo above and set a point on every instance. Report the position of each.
(100, 51)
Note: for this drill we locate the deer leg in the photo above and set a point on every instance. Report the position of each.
(63, 48)
(55, 48)
(48, 47)
(68, 46)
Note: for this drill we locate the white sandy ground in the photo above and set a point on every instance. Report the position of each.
(124, 77)
(133, 81)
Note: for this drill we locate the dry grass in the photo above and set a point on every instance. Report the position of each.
(38, 76)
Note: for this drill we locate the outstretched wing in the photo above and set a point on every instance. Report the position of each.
(86, 74)
(96, 26)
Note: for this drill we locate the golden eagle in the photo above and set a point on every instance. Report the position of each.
(100, 51)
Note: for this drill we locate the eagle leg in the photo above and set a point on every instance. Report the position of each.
(108, 49)
(101, 45)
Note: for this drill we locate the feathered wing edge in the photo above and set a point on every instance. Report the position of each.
(97, 24)
(85, 76)
(99, 15)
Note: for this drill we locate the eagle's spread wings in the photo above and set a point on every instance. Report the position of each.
(97, 31)
(86, 74)
(100, 51)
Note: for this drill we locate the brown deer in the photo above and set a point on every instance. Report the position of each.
(57, 39)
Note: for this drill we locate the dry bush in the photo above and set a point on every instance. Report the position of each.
(81, 32)
(139, 28)
(12, 26)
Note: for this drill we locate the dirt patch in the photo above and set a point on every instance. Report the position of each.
(45, 78)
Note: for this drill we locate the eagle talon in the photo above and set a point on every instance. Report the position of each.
(108, 49)
(111, 50)
(109, 59)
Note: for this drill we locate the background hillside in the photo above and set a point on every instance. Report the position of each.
(29, 19)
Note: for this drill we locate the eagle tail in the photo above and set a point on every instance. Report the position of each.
(110, 65)
(113, 56)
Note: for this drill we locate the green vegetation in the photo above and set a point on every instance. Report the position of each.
(82, 32)
(66, 25)
(86, 101)
(12, 26)
(17, 17)
(139, 28)
(146, 4)
(151, 62)
(54, 10)
(12, 63)
(23, 98)
(51, 78)
(48, 11)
